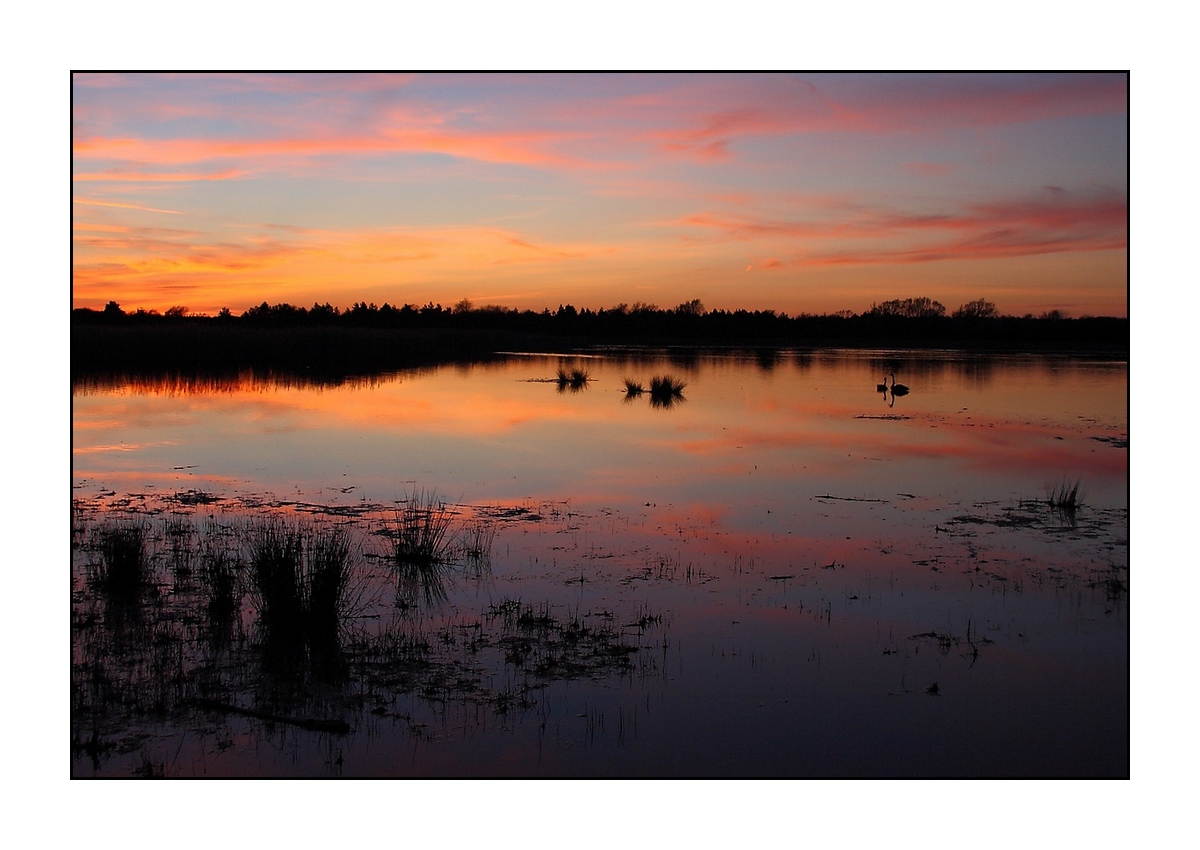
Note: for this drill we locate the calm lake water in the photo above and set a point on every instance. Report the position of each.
(783, 571)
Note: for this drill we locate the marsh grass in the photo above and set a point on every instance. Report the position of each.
(548, 647)
(124, 565)
(633, 388)
(179, 535)
(328, 575)
(421, 584)
(220, 574)
(1065, 498)
(476, 541)
(666, 391)
(313, 658)
(574, 380)
(299, 576)
(420, 530)
(422, 548)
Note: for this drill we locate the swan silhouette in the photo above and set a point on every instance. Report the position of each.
(882, 388)
(898, 389)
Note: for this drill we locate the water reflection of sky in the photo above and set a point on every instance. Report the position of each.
(798, 533)
(751, 431)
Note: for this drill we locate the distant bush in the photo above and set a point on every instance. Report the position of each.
(978, 309)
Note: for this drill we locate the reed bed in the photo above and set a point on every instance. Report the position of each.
(124, 564)
(1065, 496)
(420, 531)
(476, 542)
(220, 574)
(299, 575)
(574, 379)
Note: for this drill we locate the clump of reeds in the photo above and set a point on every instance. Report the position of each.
(276, 558)
(1065, 496)
(575, 379)
(300, 576)
(220, 576)
(124, 564)
(328, 574)
(419, 532)
(180, 536)
(633, 388)
(665, 390)
(476, 542)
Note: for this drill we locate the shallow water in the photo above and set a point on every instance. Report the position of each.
(782, 572)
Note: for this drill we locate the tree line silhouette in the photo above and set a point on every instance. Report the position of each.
(691, 317)
(367, 338)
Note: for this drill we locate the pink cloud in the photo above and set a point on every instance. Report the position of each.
(710, 114)
(1057, 222)
(521, 148)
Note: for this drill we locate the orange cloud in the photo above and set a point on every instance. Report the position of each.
(93, 202)
(117, 175)
(397, 136)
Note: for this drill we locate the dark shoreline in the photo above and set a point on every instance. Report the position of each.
(211, 348)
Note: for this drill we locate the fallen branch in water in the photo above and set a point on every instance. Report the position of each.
(337, 727)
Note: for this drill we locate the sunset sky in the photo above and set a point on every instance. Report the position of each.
(798, 193)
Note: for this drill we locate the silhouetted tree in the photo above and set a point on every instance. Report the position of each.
(323, 313)
(112, 308)
(909, 308)
(977, 309)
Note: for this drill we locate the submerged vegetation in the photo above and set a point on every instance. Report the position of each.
(321, 650)
(476, 541)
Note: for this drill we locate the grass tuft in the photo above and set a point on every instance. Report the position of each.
(633, 388)
(299, 576)
(666, 391)
(220, 575)
(124, 565)
(1065, 496)
(476, 542)
(575, 379)
(419, 532)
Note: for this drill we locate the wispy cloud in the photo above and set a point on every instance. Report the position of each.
(558, 185)
(92, 202)
(1056, 222)
(121, 175)
(867, 104)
